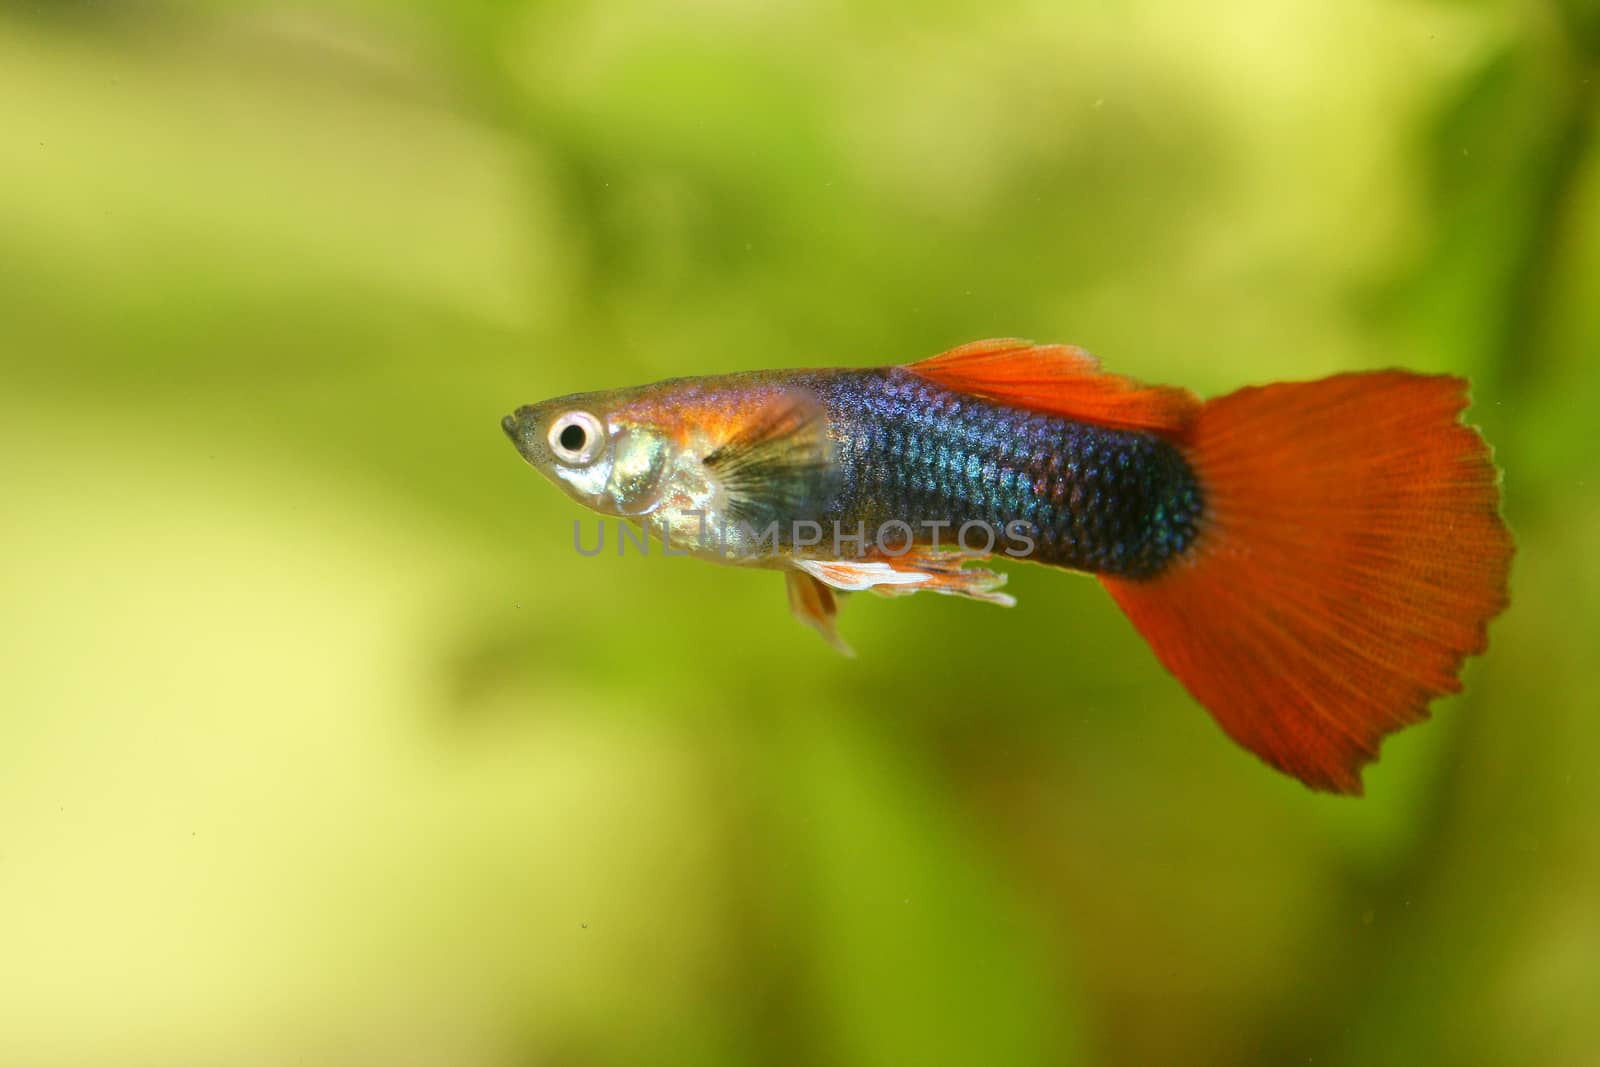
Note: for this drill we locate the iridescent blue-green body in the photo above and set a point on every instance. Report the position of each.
(1115, 502)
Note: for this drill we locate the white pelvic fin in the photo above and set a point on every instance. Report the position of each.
(909, 574)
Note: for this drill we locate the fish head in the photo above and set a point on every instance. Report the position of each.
(694, 454)
(587, 446)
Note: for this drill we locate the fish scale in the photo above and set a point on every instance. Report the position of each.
(1117, 502)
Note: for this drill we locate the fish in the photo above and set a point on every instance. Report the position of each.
(1314, 561)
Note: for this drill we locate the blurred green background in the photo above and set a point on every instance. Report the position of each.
(320, 745)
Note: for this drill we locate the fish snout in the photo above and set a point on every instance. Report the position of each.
(522, 427)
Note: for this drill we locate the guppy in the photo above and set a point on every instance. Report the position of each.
(1312, 560)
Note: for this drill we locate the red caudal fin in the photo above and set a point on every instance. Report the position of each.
(1351, 556)
(1059, 380)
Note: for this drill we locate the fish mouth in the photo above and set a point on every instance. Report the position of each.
(509, 425)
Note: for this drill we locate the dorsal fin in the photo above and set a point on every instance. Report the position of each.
(1060, 380)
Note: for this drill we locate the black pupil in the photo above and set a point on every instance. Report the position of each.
(573, 437)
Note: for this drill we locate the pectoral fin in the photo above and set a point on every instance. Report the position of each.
(778, 461)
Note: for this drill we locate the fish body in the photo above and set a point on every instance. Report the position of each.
(1313, 560)
(905, 451)
(915, 452)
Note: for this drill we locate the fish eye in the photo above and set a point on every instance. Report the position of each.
(577, 438)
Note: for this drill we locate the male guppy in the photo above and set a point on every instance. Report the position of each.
(1313, 560)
